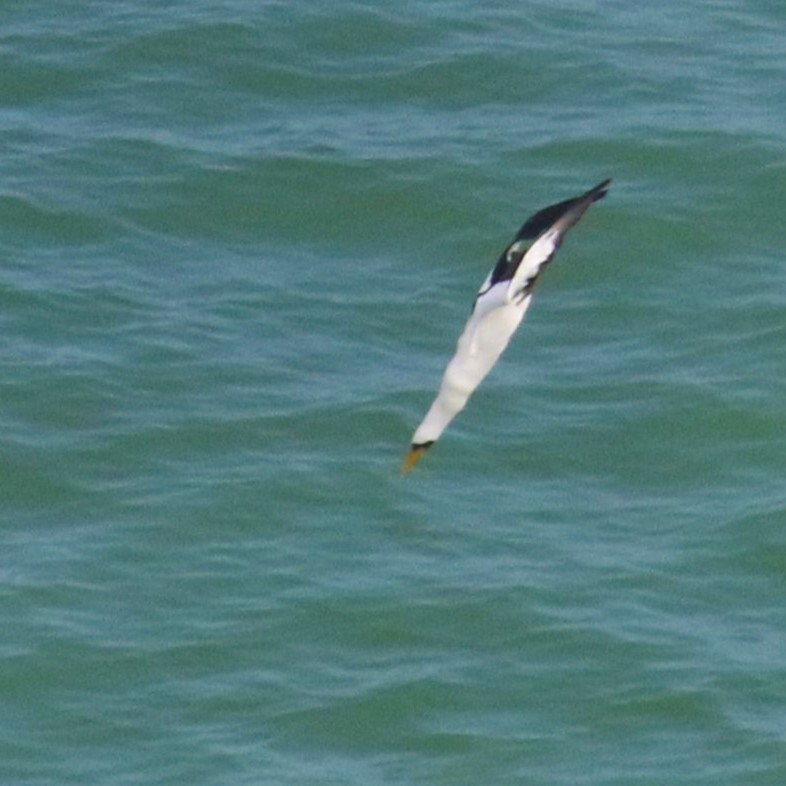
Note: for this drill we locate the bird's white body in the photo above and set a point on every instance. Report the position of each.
(500, 305)
(497, 313)
(486, 334)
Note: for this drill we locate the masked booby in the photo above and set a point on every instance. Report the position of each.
(499, 307)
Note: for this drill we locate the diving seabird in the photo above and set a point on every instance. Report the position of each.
(499, 307)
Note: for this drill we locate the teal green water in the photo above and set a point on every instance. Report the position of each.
(238, 241)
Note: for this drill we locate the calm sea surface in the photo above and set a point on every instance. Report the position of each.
(238, 241)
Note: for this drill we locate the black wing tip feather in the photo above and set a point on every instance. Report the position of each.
(540, 222)
(599, 191)
(543, 219)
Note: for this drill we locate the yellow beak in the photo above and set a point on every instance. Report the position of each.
(412, 458)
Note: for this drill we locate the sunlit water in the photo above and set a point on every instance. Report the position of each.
(239, 241)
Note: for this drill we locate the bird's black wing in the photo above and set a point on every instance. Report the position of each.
(537, 224)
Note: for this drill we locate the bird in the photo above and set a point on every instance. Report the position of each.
(497, 311)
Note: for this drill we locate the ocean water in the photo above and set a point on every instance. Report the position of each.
(238, 242)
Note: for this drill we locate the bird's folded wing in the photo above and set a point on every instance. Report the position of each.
(538, 255)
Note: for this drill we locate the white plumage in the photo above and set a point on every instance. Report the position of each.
(500, 305)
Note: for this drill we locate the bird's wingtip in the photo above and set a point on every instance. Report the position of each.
(599, 191)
